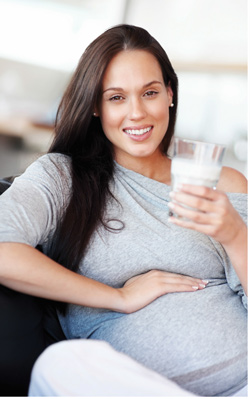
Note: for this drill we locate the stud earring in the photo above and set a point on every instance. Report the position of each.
(94, 113)
(172, 105)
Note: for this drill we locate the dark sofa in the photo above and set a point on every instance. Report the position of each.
(28, 326)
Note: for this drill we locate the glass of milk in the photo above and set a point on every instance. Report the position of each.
(196, 162)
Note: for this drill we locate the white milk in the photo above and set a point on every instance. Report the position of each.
(188, 171)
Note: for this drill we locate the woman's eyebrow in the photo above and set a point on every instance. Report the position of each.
(113, 89)
(152, 83)
(144, 86)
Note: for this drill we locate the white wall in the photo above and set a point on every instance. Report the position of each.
(206, 41)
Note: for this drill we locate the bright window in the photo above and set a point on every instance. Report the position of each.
(52, 33)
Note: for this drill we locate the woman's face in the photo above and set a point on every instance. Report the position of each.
(134, 108)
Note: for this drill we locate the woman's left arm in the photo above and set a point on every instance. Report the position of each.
(214, 215)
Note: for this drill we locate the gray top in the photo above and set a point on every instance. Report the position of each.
(197, 339)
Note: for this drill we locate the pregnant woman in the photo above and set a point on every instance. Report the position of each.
(98, 204)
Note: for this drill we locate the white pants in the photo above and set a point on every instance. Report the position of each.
(90, 368)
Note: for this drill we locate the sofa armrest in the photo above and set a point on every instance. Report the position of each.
(29, 325)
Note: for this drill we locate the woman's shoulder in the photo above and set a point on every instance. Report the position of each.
(52, 170)
(51, 163)
(232, 181)
(55, 158)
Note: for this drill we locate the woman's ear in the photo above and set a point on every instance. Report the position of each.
(170, 95)
(95, 113)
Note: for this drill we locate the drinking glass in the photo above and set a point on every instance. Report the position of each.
(196, 162)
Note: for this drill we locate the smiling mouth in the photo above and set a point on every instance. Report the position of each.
(138, 132)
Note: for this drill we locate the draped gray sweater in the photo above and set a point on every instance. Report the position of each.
(197, 339)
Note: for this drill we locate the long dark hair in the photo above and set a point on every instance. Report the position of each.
(80, 135)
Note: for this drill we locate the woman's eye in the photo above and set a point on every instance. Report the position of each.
(151, 93)
(116, 98)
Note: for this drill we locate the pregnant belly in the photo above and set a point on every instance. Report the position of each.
(198, 339)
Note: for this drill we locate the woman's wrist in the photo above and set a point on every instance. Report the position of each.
(238, 238)
(236, 249)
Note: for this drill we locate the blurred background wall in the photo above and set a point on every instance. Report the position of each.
(42, 41)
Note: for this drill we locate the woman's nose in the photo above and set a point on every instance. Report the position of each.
(137, 109)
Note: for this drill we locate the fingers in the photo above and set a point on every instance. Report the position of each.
(195, 219)
(200, 198)
(207, 221)
(199, 208)
(142, 289)
(170, 288)
(205, 210)
(177, 282)
(190, 213)
(200, 191)
(197, 225)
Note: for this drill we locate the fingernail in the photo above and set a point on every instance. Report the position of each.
(171, 205)
(202, 285)
(205, 281)
(171, 194)
(179, 187)
(195, 288)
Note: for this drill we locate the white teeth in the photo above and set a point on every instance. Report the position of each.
(138, 132)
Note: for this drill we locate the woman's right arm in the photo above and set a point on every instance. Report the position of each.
(28, 212)
(25, 269)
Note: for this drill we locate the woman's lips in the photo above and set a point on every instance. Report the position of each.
(139, 134)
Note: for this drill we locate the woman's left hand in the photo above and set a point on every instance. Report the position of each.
(211, 213)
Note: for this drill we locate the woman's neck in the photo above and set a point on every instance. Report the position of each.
(156, 167)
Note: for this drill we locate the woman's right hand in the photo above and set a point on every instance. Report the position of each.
(25, 269)
(143, 289)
